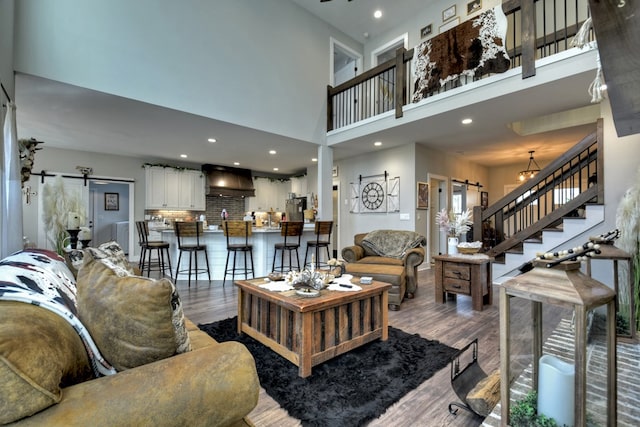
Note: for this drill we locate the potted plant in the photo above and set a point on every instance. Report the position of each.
(454, 225)
(525, 413)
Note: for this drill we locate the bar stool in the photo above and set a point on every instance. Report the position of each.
(233, 231)
(146, 254)
(323, 240)
(291, 231)
(188, 236)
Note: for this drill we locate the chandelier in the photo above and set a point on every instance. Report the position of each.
(532, 169)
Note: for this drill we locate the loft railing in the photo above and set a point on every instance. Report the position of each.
(561, 189)
(385, 87)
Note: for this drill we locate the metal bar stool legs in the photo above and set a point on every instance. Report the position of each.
(188, 237)
(245, 269)
(291, 231)
(237, 234)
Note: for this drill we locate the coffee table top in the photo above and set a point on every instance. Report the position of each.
(327, 298)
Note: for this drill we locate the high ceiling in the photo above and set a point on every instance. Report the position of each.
(70, 117)
(355, 18)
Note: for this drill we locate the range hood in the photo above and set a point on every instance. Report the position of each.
(225, 181)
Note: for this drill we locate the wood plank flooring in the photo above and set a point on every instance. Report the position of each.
(453, 323)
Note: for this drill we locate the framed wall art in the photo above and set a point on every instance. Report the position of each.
(111, 201)
(474, 6)
(422, 195)
(376, 193)
(484, 200)
(448, 13)
(426, 31)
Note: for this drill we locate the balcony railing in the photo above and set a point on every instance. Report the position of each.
(385, 87)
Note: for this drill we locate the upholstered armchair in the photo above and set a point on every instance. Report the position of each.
(390, 256)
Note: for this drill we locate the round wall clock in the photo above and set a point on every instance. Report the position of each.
(372, 196)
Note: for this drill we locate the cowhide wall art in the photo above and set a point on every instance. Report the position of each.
(472, 49)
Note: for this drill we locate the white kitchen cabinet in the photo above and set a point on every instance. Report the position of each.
(264, 194)
(281, 194)
(155, 188)
(199, 191)
(270, 194)
(192, 191)
(299, 185)
(168, 188)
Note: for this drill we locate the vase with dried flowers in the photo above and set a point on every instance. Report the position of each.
(454, 225)
(62, 210)
(628, 222)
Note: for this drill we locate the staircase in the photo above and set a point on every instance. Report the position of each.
(543, 214)
(551, 239)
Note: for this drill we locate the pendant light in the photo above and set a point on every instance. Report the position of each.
(532, 169)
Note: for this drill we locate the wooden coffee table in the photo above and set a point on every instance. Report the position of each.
(309, 331)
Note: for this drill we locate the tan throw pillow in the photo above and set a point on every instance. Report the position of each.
(133, 320)
(39, 353)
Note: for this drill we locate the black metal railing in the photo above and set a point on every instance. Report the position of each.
(561, 189)
(385, 87)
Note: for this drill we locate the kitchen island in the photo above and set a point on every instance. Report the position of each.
(263, 240)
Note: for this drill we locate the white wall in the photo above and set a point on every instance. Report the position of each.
(396, 162)
(261, 64)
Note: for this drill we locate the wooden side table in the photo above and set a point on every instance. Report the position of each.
(464, 275)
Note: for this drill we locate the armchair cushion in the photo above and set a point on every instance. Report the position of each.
(367, 257)
(392, 243)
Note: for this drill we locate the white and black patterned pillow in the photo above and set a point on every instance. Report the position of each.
(112, 252)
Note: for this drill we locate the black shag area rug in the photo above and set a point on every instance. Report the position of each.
(348, 390)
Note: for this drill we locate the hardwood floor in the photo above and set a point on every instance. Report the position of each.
(453, 323)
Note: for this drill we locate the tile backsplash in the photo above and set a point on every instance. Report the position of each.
(235, 207)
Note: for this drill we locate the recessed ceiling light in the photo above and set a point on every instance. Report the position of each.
(272, 151)
(467, 121)
(314, 160)
(184, 156)
(236, 163)
(276, 169)
(377, 143)
(377, 14)
(211, 140)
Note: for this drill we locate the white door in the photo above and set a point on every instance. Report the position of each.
(438, 200)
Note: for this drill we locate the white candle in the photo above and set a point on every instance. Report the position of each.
(85, 233)
(73, 221)
(556, 389)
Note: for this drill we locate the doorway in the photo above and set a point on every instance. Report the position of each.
(109, 207)
(345, 63)
(438, 200)
(388, 50)
(109, 224)
(383, 92)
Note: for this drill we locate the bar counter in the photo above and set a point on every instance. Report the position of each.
(263, 240)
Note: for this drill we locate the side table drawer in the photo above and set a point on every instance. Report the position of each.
(456, 270)
(457, 286)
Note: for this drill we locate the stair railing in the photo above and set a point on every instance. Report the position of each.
(560, 189)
